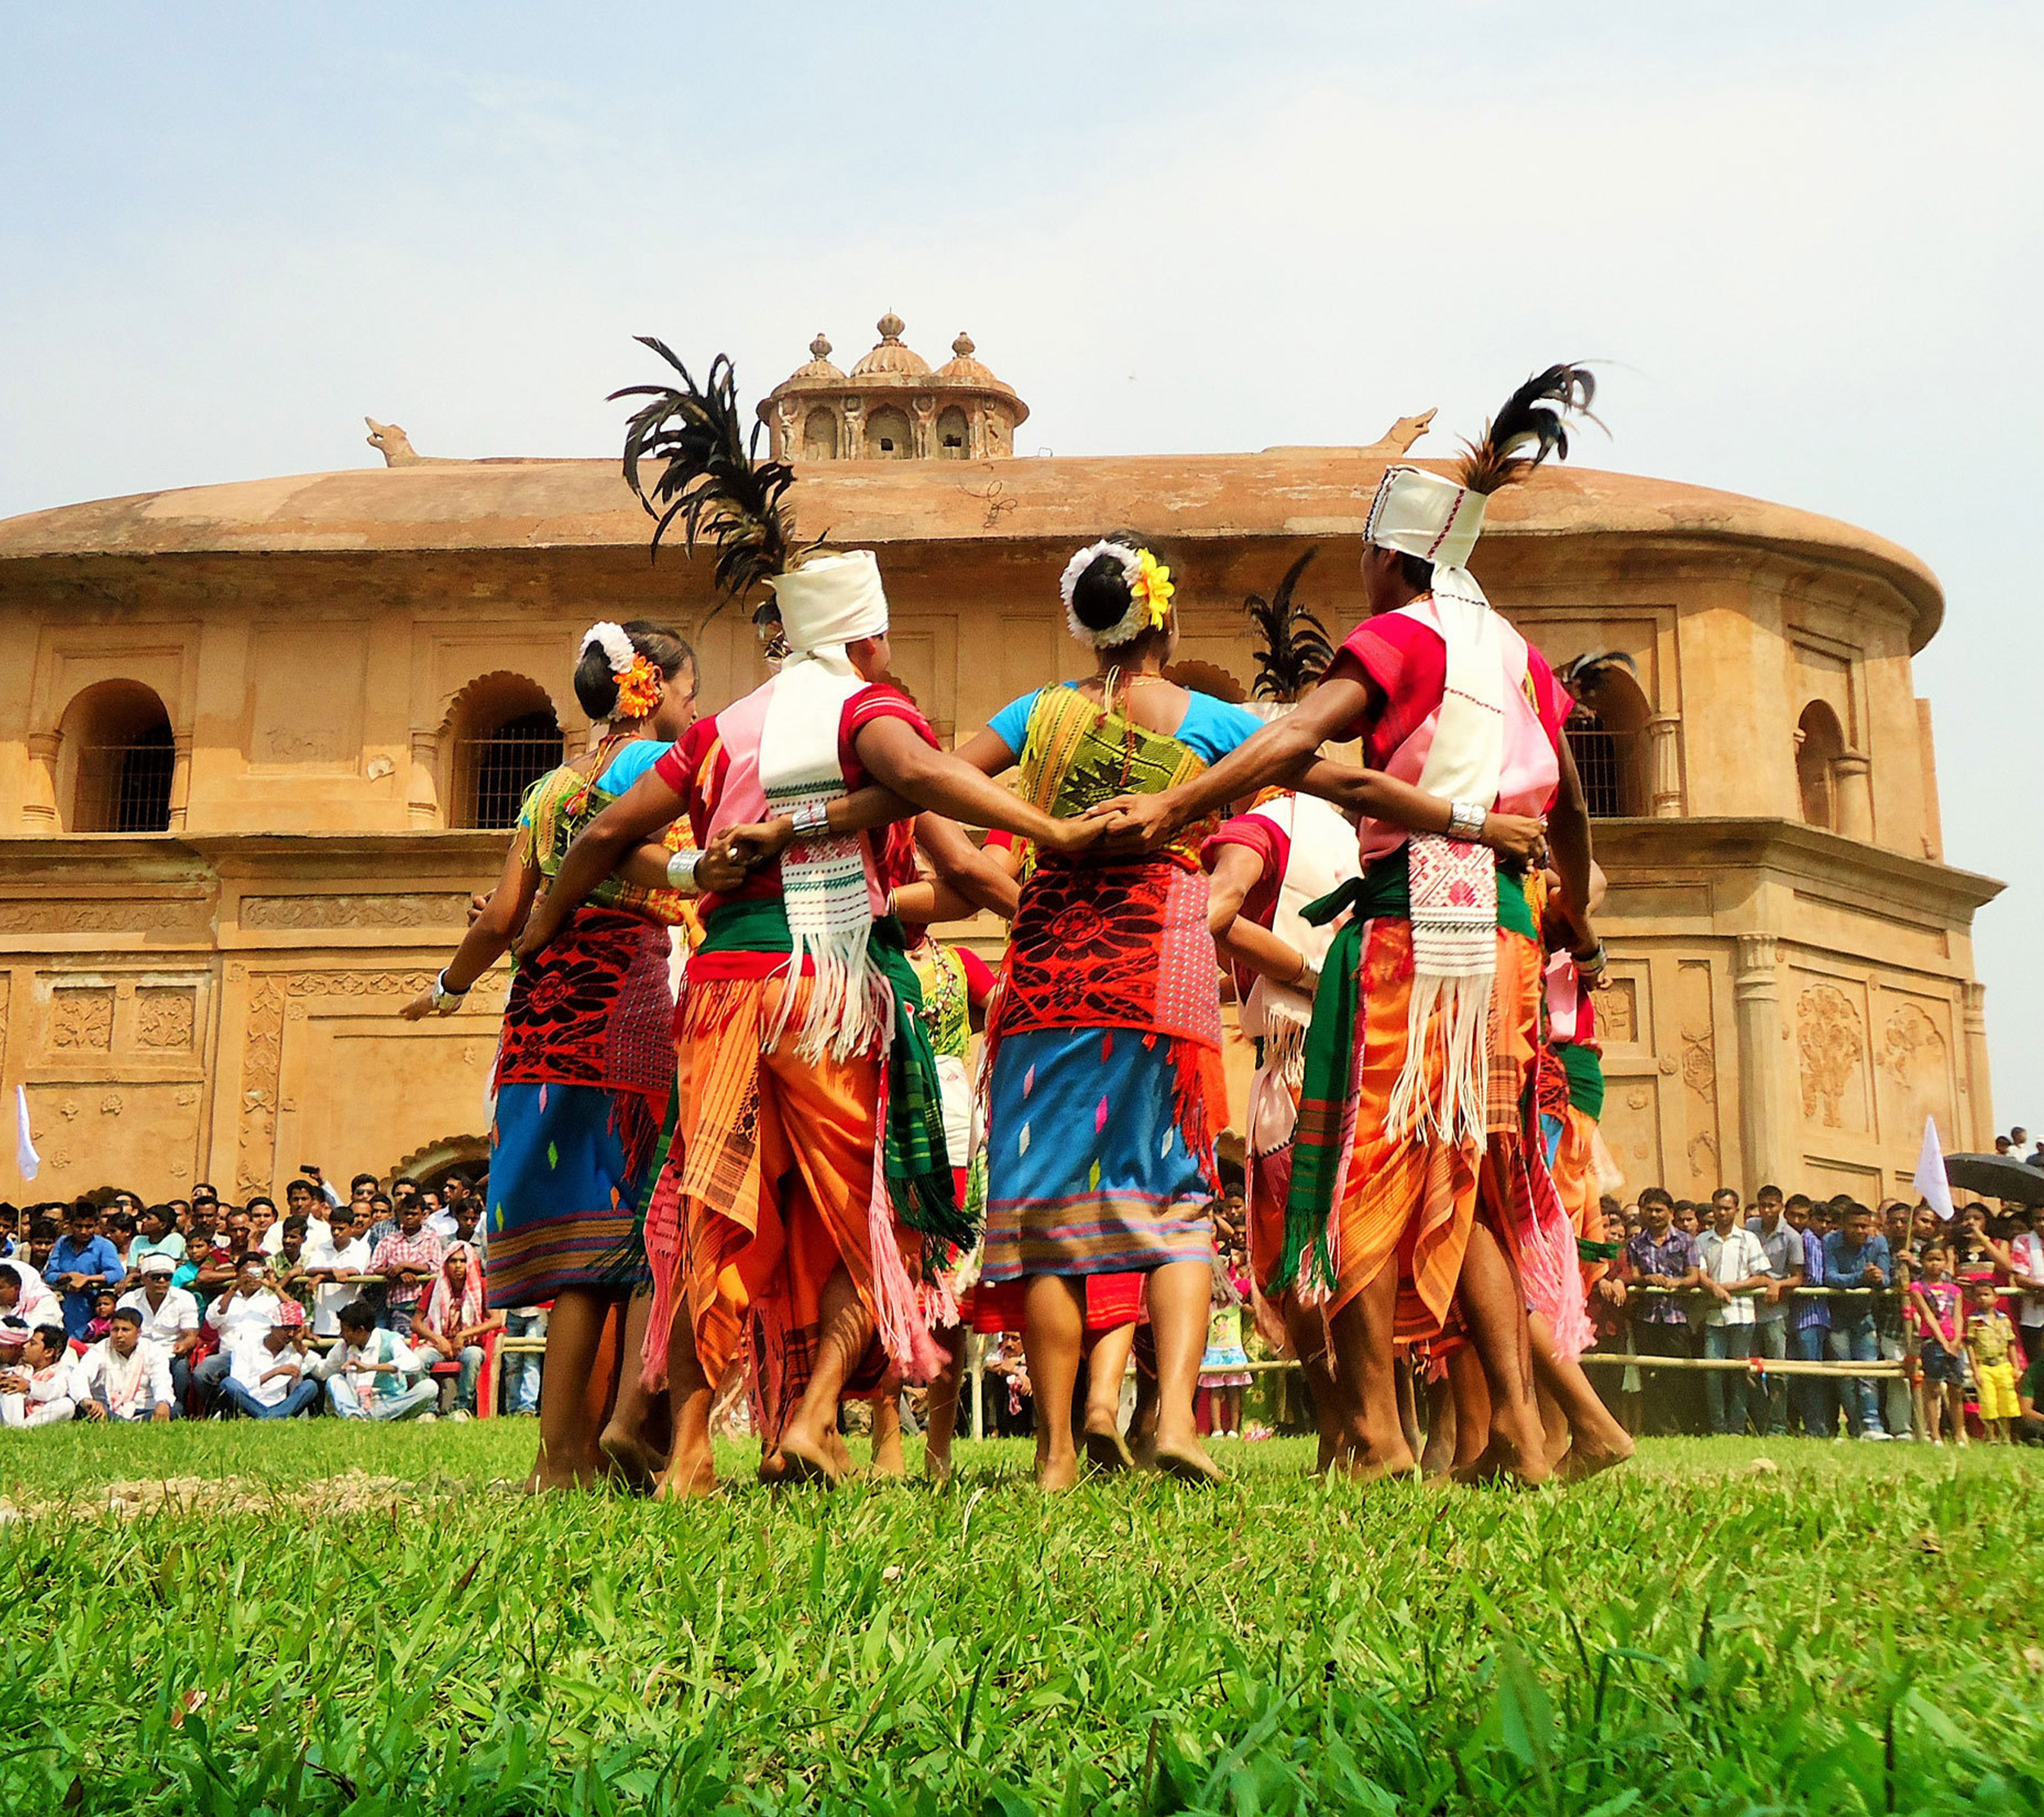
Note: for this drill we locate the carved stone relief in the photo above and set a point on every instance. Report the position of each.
(82, 1021)
(101, 918)
(1831, 1049)
(1618, 1013)
(1915, 1062)
(354, 911)
(1696, 1027)
(166, 1018)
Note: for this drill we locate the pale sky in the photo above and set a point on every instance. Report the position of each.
(1804, 238)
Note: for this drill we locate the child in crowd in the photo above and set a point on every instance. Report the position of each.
(1990, 1338)
(1224, 1370)
(102, 1319)
(1935, 1302)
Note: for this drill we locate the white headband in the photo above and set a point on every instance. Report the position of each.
(1132, 623)
(618, 649)
(1420, 514)
(831, 600)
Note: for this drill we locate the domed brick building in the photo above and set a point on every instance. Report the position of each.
(258, 741)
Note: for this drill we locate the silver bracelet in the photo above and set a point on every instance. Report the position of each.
(812, 819)
(1466, 819)
(446, 1001)
(681, 871)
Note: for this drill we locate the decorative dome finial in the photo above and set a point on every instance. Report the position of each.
(820, 348)
(962, 347)
(891, 327)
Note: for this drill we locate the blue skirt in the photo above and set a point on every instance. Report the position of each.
(563, 1199)
(1088, 1172)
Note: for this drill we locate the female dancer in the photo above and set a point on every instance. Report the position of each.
(584, 1071)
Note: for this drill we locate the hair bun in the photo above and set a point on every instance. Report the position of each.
(1100, 597)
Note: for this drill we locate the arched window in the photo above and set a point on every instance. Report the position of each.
(819, 435)
(1605, 735)
(954, 435)
(119, 756)
(1820, 741)
(506, 737)
(888, 436)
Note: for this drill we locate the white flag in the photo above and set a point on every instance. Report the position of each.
(1930, 1181)
(24, 1155)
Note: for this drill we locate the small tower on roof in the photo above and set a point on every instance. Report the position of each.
(891, 406)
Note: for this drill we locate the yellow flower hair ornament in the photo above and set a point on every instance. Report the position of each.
(1150, 591)
(638, 690)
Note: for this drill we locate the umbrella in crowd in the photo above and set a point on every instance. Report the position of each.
(1996, 1177)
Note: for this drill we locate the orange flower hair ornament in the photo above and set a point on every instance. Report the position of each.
(639, 682)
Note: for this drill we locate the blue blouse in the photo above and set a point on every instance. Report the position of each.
(1211, 727)
(631, 763)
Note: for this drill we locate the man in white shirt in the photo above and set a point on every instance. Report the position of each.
(267, 1377)
(343, 1254)
(1734, 1262)
(372, 1374)
(170, 1319)
(123, 1376)
(247, 1304)
(37, 1391)
(300, 1200)
(2028, 1253)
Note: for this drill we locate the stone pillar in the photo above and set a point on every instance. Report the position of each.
(1764, 1062)
(180, 781)
(422, 794)
(1663, 766)
(1979, 1092)
(1853, 792)
(39, 801)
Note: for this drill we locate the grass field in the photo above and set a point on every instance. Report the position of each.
(1855, 1629)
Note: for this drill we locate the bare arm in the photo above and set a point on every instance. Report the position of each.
(967, 879)
(629, 822)
(1236, 871)
(1569, 841)
(1370, 793)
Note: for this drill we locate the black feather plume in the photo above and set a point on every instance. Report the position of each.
(708, 478)
(1293, 648)
(1529, 428)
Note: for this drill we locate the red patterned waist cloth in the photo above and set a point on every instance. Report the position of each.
(594, 1008)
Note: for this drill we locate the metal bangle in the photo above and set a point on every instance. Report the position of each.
(446, 1001)
(812, 819)
(1595, 963)
(1465, 820)
(681, 870)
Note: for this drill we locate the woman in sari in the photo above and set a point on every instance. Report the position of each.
(584, 1073)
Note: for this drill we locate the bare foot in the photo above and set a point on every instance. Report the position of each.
(1581, 1461)
(773, 1467)
(1500, 1461)
(839, 1453)
(887, 1458)
(806, 1461)
(936, 1465)
(1359, 1467)
(1188, 1462)
(1055, 1475)
(633, 1462)
(690, 1477)
(1105, 1449)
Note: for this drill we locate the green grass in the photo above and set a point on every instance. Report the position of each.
(1855, 1631)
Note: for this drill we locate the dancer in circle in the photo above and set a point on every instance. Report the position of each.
(1414, 1193)
(584, 1072)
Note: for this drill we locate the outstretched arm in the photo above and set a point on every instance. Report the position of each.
(1371, 793)
(490, 931)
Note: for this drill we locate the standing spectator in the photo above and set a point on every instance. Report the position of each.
(1734, 1265)
(332, 1269)
(407, 1260)
(326, 1198)
(521, 1371)
(1990, 1338)
(451, 1324)
(381, 1223)
(467, 1214)
(37, 1391)
(1940, 1317)
(372, 1374)
(1783, 1244)
(2026, 1269)
(80, 1261)
(118, 1227)
(156, 1234)
(2002, 1145)
(123, 1376)
(1662, 1256)
(301, 1199)
(1856, 1257)
(245, 1307)
(1617, 1388)
(1815, 1401)
(268, 1379)
(1893, 1329)
(288, 1273)
(168, 1316)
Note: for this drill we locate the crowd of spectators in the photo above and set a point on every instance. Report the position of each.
(1951, 1314)
(371, 1307)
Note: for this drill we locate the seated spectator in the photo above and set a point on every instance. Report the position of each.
(104, 1299)
(450, 1325)
(37, 1391)
(14, 1328)
(156, 1233)
(10, 1228)
(246, 1307)
(301, 1199)
(372, 1374)
(407, 1260)
(2029, 1425)
(125, 1376)
(332, 1266)
(81, 1261)
(43, 1231)
(267, 1378)
(169, 1317)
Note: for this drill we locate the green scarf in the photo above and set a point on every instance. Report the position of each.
(1586, 1071)
(1384, 891)
(916, 1163)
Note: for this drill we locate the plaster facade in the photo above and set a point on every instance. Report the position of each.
(312, 663)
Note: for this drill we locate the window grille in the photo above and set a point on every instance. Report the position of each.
(126, 788)
(1601, 761)
(499, 768)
